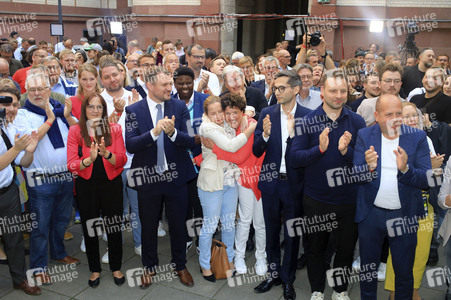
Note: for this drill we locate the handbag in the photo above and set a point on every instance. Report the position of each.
(219, 261)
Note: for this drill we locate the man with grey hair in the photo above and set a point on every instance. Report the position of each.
(204, 81)
(84, 42)
(307, 97)
(234, 83)
(49, 184)
(133, 47)
(58, 83)
(271, 67)
(236, 56)
(7, 52)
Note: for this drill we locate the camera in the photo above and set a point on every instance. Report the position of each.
(315, 38)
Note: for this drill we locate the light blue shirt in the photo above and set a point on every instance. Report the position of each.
(46, 158)
(312, 101)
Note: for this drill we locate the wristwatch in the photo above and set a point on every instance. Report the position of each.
(109, 156)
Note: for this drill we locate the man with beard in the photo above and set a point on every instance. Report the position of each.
(323, 146)
(443, 62)
(390, 83)
(69, 72)
(184, 85)
(271, 67)
(117, 98)
(434, 102)
(413, 76)
(58, 83)
(204, 81)
(394, 160)
(371, 87)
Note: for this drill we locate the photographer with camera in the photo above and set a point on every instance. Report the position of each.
(316, 42)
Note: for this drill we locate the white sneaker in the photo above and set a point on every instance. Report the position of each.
(83, 245)
(356, 265)
(317, 296)
(188, 246)
(340, 296)
(381, 272)
(261, 267)
(105, 258)
(138, 251)
(161, 231)
(104, 237)
(240, 266)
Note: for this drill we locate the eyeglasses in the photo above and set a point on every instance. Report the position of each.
(271, 68)
(199, 56)
(147, 65)
(39, 89)
(93, 107)
(390, 81)
(281, 88)
(287, 56)
(306, 77)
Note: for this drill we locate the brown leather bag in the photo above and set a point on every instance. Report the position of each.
(219, 261)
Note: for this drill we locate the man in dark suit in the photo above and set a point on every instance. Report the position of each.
(280, 195)
(194, 101)
(390, 202)
(156, 134)
(145, 62)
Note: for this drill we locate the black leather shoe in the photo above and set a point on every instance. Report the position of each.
(119, 281)
(267, 285)
(94, 283)
(210, 278)
(288, 291)
(302, 262)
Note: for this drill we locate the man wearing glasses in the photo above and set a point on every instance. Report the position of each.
(49, 184)
(37, 55)
(204, 81)
(145, 62)
(271, 67)
(284, 58)
(308, 98)
(58, 83)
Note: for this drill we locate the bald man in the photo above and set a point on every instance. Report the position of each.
(284, 58)
(394, 159)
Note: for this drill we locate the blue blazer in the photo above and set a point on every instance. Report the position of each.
(410, 184)
(138, 88)
(139, 142)
(273, 157)
(198, 111)
(260, 84)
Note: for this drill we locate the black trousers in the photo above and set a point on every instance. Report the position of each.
(175, 199)
(12, 239)
(345, 231)
(194, 207)
(101, 199)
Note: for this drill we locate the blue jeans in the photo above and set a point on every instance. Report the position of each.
(217, 205)
(52, 204)
(132, 197)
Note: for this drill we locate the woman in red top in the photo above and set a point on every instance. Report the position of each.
(96, 154)
(88, 85)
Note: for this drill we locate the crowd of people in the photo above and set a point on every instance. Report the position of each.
(293, 144)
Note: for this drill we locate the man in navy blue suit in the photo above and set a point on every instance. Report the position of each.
(157, 135)
(390, 202)
(281, 194)
(194, 101)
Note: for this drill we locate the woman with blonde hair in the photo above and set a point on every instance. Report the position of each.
(88, 85)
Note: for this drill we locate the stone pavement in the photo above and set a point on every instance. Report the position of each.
(169, 287)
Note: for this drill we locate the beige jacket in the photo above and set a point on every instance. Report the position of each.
(211, 174)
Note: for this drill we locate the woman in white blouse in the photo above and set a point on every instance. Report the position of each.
(217, 188)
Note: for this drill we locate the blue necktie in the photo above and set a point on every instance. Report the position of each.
(160, 143)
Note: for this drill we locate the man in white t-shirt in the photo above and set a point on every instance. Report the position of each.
(116, 98)
(395, 162)
(204, 81)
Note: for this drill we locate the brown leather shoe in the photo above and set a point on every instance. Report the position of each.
(146, 279)
(68, 236)
(68, 260)
(30, 290)
(185, 277)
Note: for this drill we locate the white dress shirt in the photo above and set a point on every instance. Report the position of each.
(153, 114)
(213, 82)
